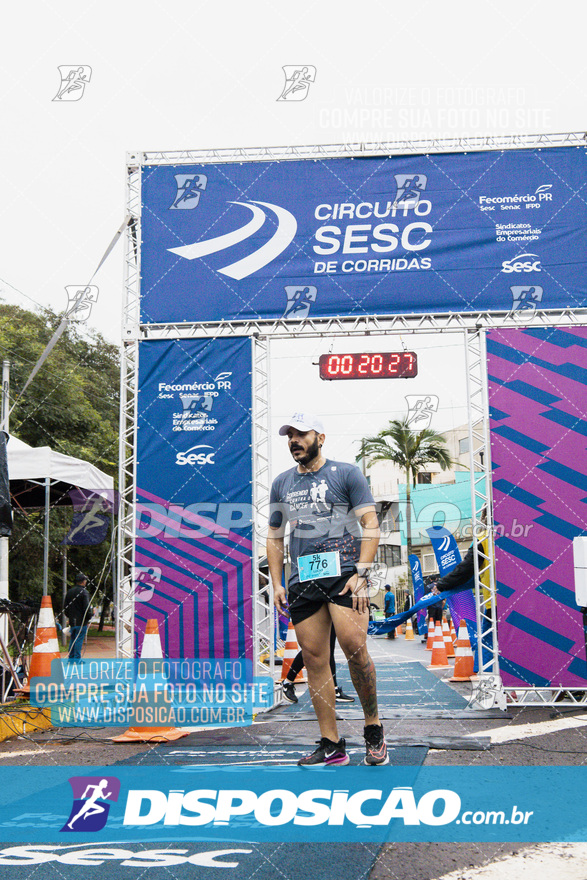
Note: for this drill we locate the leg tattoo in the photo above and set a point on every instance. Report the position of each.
(365, 681)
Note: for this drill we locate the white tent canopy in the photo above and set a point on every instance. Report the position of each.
(29, 463)
(41, 465)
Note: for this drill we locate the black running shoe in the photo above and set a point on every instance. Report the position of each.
(376, 748)
(341, 697)
(327, 753)
(288, 689)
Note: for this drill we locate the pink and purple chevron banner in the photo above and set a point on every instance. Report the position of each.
(537, 396)
(193, 545)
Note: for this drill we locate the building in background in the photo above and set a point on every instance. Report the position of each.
(440, 498)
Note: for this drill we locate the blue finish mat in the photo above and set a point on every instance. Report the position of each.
(281, 751)
(400, 685)
(261, 861)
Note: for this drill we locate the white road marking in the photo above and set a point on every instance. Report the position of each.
(512, 732)
(565, 861)
(24, 754)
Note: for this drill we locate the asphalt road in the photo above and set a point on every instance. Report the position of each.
(523, 736)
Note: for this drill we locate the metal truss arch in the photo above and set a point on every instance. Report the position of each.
(471, 326)
(362, 326)
(124, 601)
(357, 149)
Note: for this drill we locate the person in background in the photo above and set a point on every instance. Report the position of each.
(389, 608)
(79, 613)
(407, 605)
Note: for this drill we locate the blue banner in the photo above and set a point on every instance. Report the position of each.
(91, 518)
(72, 805)
(497, 230)
(462, 605)
(384, 626)
(419, 586)
(194, 496)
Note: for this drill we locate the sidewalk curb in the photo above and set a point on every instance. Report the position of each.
(26, 720)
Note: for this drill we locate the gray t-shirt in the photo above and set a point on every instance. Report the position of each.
(320, 508)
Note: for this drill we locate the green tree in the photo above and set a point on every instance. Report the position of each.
(410, 450)
(72, 406)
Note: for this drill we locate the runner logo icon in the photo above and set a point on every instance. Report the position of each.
(299, 300)
(526, 297)
(409, 189)
(196, 405)
(80, 301)
(272, 248)
(297, 82)
(421, 408)
(145, 578)
(189, 189)
(74, 79)
(90, 808)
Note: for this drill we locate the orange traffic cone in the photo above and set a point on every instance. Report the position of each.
(291, 649)
(46, 647)
(464, 661)
(453, 633)
(439, 659)
(450, 651)
(409, 636)
(151, 650)
(430, 639)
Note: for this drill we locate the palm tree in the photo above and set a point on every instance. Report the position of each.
(409, 449)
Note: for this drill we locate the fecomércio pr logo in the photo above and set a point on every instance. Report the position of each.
(91, 797)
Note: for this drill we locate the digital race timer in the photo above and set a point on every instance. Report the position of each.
(369, 365)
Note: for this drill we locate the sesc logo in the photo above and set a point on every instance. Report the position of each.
(196, 456)
(38, 854)
(522, 263)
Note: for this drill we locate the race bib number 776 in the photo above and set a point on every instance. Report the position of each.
(319, 565)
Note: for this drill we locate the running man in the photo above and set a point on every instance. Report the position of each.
(90, 807)
(73, 82)
(331, 551)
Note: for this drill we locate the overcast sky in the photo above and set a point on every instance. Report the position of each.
(352, 409)
(207, 74)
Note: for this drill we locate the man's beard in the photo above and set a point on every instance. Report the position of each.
(312, 453)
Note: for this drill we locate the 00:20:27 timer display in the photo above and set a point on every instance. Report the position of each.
(369, 365)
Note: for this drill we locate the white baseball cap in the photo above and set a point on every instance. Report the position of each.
(303, 422)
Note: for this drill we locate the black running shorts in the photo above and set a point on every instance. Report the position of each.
(305, 599)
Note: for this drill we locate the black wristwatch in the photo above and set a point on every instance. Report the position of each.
(362, 571)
